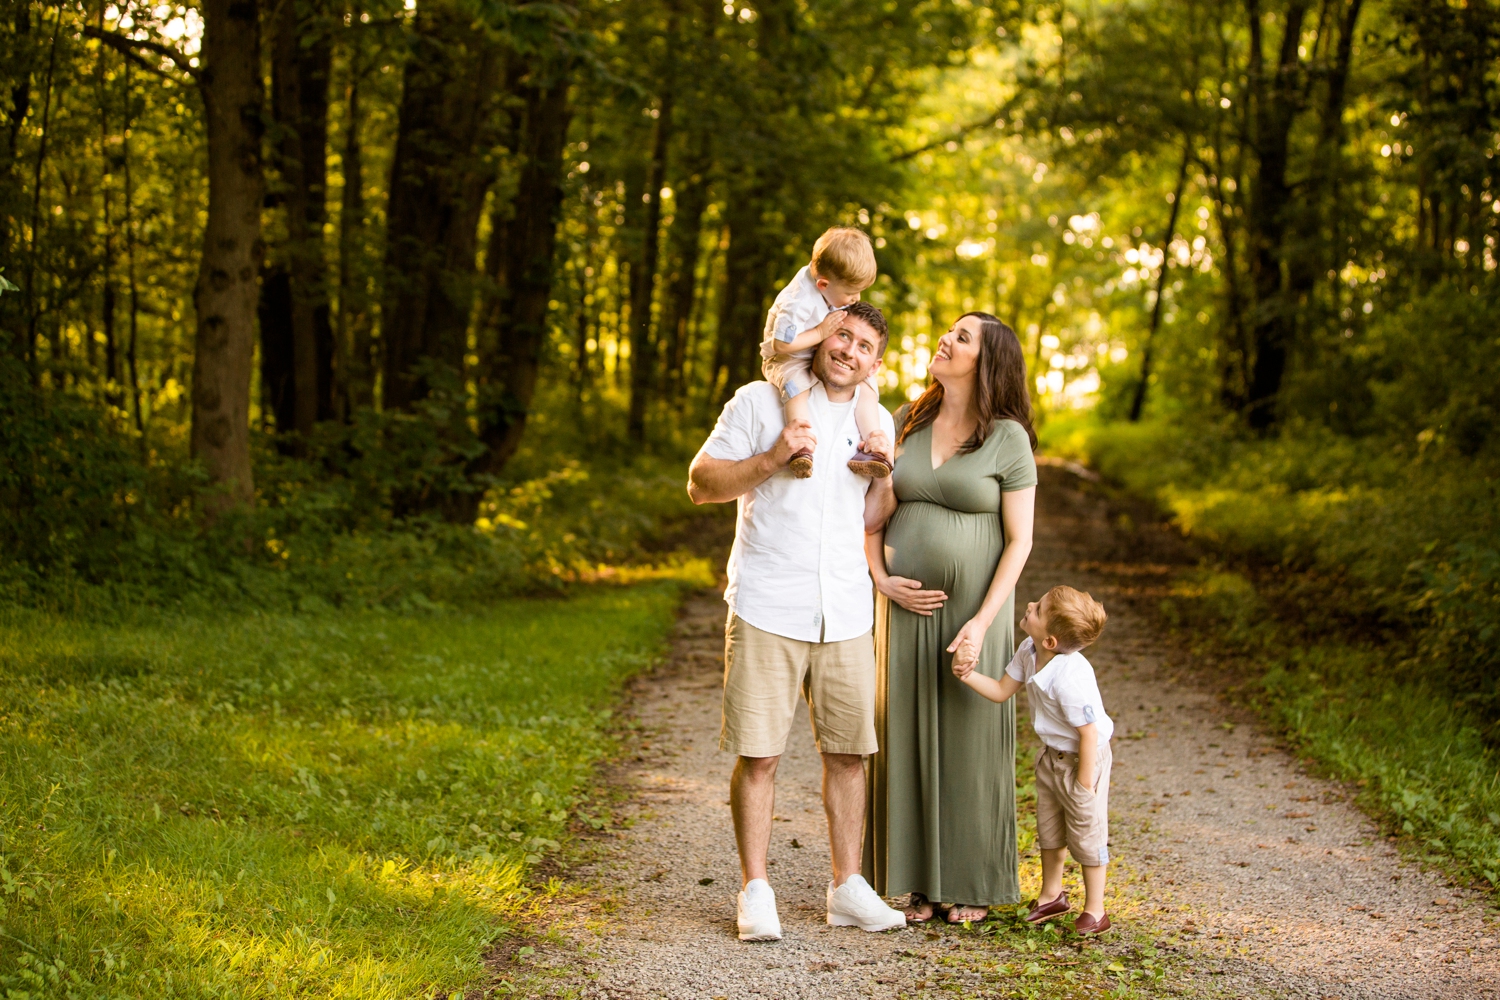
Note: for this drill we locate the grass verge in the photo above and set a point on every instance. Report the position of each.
(1317, 586)
(327, 804)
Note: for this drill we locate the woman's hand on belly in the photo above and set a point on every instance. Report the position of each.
(910, 595)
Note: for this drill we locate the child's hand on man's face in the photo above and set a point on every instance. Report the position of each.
(830, 324)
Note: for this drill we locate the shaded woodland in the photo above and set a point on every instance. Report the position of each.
(315, 275)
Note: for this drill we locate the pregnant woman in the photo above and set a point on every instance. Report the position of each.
(942, 822)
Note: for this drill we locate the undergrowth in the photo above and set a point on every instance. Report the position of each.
(92, 525)
(1359, 584)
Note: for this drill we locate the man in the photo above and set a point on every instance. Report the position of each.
(801, 612)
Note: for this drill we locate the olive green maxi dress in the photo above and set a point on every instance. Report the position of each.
(942, 803)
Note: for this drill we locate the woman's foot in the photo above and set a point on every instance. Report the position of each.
(919, 909)
(964, 914)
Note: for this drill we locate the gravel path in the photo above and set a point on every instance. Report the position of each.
(1257, 878)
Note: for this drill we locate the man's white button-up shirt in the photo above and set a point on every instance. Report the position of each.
(798, 566)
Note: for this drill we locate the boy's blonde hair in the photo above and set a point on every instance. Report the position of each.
(844, 254)
(1074, 618)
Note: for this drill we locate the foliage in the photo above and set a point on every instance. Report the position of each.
(1365, 601)
(91, 527)
(331, 805)
(1403, 542)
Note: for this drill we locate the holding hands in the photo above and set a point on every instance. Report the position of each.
(965, 648)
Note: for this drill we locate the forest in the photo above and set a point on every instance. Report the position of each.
(313, 311)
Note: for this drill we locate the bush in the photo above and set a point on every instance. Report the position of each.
(1412, 540)
(91, 525)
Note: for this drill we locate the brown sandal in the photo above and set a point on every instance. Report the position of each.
(913, 905)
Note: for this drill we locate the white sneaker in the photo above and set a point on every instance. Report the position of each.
(854, 904)
(757, 912)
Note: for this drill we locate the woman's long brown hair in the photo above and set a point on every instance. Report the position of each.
(999, 387)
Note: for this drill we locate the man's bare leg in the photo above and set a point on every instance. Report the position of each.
(844, 804)
(752, 800)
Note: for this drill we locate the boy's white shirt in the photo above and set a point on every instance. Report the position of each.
(1064, 697)
(798, 308)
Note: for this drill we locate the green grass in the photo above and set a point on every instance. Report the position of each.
(329, 805)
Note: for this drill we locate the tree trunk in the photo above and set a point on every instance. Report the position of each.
(302, 55)
(108, 297)
(683, 243)
(278, 365)
(516, 322)
(1275, 110)
(225, 295)
(746, 276)
(438, 179)
(643, 282)
(356, 374)
(1313, 253)
(10, 189)
(1138, 402)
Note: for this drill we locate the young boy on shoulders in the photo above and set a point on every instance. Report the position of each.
(1072, 769)
(807, 312)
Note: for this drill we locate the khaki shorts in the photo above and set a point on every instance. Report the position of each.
(1070, 816)
(765, 673)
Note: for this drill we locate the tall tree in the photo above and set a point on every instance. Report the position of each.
(515, 323)
(439, 175)
(643, 278)
(301, 59)
(225, 297)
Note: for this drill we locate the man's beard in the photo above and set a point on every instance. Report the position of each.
(833, 376)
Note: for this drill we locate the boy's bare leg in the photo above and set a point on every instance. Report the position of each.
(873, 440)
(1093, 889)
(844, 804)
(752, 800)
(1052, 874)
(797, 408)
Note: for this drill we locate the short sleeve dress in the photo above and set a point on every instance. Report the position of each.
(942, 797)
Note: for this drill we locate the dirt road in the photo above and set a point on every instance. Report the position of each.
(1254, 878)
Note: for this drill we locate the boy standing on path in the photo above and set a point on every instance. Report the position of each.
(1072, 770)
(801, 612)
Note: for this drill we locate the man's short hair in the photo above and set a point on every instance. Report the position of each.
(844, 254)
(874, 317)
(1074, 618)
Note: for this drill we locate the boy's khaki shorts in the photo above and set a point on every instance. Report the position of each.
(1070, 816)
(765, 673)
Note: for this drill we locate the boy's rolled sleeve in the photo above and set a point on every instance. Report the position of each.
(786, 328)
(1079, 716)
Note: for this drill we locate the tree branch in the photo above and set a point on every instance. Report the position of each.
(128, 47)
(957, 134)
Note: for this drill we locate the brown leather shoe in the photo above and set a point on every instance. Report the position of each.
(874, 466)
(1042, 912)
(801, 464)
(1087, 924)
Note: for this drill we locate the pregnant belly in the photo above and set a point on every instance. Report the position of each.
(945, 549)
